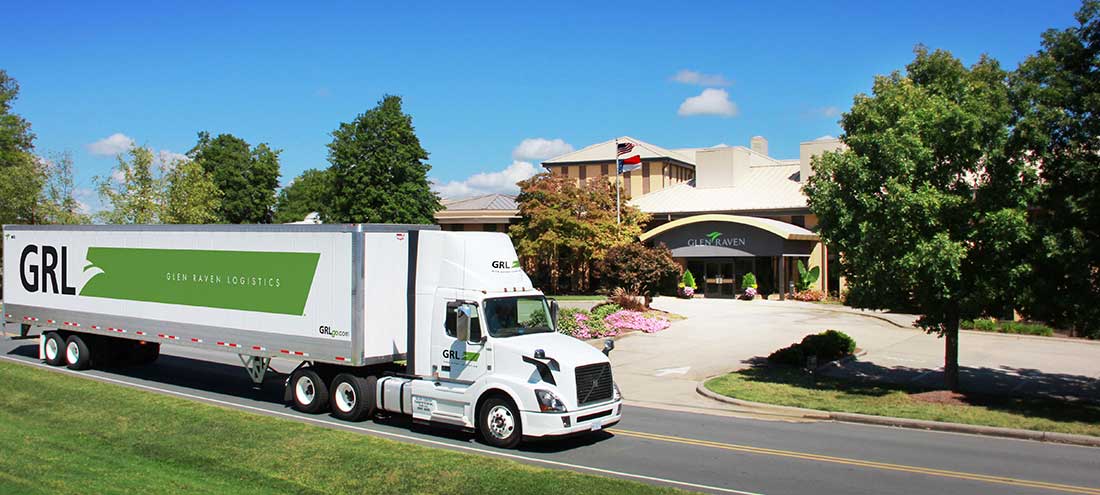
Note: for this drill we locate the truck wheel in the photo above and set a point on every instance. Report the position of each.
(78, 356)
(309, 391)
(499, 423)
(54, 349)
(352, 397)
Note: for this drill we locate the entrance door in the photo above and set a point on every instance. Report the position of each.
(719, 279)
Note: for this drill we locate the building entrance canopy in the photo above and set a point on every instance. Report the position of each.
(732, 236)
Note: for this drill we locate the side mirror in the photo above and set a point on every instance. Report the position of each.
(608, 346)
(462, 323)
(554, 313)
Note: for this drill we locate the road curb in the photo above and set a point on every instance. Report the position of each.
(919, 424)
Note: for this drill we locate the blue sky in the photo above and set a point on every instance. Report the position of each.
(478, 81)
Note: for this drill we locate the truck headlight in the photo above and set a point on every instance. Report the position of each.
(618, 394)
(549, 402)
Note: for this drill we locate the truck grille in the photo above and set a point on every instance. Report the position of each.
(594, 383)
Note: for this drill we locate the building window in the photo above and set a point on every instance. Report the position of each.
(603, 170)
(490, 227)
(584, 172)
(799, 220)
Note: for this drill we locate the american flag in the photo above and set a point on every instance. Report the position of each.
(625, 148)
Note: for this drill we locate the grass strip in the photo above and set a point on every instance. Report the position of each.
(793, 387)
(63, 434)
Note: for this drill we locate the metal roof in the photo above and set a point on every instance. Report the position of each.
(606, 152)
(486, 202)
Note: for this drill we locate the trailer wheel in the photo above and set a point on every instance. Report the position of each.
(54, 349)
(498, 423)
(78, 356)
(308, 391)
(352, 397)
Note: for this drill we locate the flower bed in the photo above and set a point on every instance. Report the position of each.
(607, 320)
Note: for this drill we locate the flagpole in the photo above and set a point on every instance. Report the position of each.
(618, 213)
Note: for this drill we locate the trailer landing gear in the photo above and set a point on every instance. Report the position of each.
(256, 367)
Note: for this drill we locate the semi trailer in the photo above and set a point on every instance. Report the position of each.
(403, 319)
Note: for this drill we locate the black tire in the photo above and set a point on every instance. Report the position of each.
(58, 350)
(352, 397)
(78, 354)
(499, 423)
(313, 395)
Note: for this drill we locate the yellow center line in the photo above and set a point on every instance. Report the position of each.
(862, 463)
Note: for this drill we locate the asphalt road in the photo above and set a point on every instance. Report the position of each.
(703, 452)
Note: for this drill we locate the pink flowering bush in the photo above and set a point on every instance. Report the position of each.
(634, 320)
(607, 321)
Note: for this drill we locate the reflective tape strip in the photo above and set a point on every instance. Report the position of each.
(118, 330)
(95, 327)
(50, 321)
(284, 351)
(70, 323)
(300, 353)
(139, 332)
(341, 358)
(228, 344)
(197, 341)
(30, 318)
(258, 348)
(7, 315)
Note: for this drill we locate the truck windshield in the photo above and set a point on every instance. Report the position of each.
(511, 316)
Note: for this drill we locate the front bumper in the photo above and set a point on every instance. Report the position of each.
(591, 418)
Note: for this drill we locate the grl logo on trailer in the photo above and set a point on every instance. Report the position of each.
(268, 282)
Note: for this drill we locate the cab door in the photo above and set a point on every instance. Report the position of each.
(454, 359)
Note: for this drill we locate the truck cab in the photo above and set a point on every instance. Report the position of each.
(494, 359)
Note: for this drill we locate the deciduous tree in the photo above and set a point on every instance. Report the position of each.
(247, 176)
(308, 193)
(924, 206)
(1057, 95)
(134, 192)
(379, 170)
(21, 179)
(190, 195)
(564, 228)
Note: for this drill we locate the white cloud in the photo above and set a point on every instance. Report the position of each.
(830, 111)
(502, 181)
(534, 149)
(167, 160)
(825, 138)
(111, 145)
(700, 79)
(710, 102)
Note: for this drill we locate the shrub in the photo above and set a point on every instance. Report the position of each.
(688, 280)
(829, 345)
(603, 309)
(809, 295)
(1014, 327)
(639, 269)
(625, 300)
(567, 322)
(748, 281)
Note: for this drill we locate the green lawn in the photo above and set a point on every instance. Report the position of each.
(581, 297)
(65, 434)
(793, 387)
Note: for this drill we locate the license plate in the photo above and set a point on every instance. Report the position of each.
(597, 426)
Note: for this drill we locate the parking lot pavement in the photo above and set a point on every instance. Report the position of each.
(721, 335)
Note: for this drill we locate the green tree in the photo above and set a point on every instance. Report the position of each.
(247, 176)
(309, 192)
(564, 228)
(134, 191)
(190, 194)
(21, 179)
(924, 206)
(379, 169)
(58, 203)
(1058, 126)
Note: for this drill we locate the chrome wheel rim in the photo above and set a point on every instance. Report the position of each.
(501, 422)
(72, 352)
(51, 349)
(345, 397)
(305, 391)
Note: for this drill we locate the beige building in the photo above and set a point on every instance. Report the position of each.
(488, 213)
(723, 211)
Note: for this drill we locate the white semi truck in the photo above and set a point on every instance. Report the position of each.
(442, 326)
